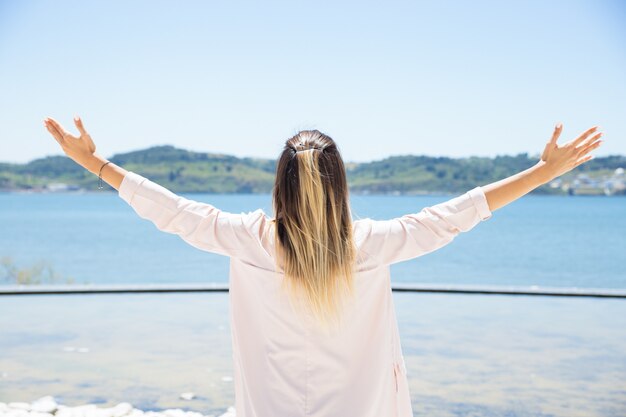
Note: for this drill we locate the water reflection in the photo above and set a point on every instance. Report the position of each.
(465, 354)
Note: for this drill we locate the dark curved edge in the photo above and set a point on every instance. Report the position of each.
(398, 287)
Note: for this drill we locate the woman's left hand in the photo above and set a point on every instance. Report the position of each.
(80, 148)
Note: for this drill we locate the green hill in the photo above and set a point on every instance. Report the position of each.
(183, 171)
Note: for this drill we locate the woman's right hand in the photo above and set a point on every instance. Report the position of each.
(557, 160)
(78, 148)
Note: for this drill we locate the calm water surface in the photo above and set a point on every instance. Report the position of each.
(466, 354)
(564, 241)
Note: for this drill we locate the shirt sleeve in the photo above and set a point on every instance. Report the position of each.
(201, 225)
(413, 235)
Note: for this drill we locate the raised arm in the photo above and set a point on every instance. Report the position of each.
(555, 161)
(200, 224)
(416, 234)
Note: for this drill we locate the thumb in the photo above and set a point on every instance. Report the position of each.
(79, 124)
(557, 132)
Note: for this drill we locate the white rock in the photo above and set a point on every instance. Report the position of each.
(85, 410)
(122, 409)
(19, 405)
(101, 412)
(3, 406)
(194, 414)
(84, 407)
(230, 412)
(64, 412)
(174, 412)
(15, 412)
(187, 395)
(45, 404)
(39, 414)
(136, 413)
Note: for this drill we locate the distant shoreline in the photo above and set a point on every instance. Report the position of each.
(183, 171)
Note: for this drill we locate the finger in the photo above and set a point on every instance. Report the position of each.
(51, 127)
(58, 126)
(557, 132)
(54, 132)
(589, 140)
(79, 124)
(583, 160)
(584, 136)
(589, 148)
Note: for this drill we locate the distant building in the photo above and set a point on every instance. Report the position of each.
(60, 186)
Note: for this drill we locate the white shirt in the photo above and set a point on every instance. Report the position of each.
(283, 366)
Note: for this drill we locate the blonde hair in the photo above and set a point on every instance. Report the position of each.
(313, 227)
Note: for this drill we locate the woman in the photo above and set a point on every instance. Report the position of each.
(313, 323)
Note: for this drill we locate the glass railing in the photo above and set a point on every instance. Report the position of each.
(466, 353)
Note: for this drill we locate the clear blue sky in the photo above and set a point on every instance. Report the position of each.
(439, 78)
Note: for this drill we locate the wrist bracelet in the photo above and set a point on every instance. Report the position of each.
(100, 174)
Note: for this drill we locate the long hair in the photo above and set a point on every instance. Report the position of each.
(313, 226)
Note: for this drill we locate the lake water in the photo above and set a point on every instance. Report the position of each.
(466, 355)
(478, 355)
(564, 241)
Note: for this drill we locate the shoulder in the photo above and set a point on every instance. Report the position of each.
(368, 227)
(254, 217)
(368, 235)
(255, 222)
